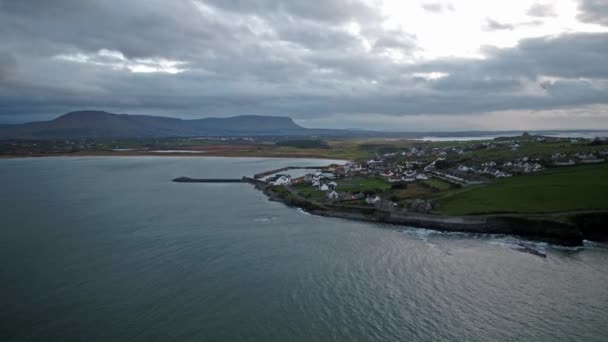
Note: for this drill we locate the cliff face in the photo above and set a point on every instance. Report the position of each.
(594, 226)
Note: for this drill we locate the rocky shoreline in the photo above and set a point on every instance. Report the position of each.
(565, 230)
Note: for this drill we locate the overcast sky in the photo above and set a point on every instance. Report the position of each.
(378, 64)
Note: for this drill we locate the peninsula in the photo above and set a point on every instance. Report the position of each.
(542, 188)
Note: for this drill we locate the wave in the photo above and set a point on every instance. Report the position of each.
(304, 212)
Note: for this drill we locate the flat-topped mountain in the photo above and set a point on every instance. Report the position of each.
(99, 124)
(102, 125)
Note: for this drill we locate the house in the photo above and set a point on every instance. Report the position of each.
(308, 178)
(372, 199)
(347, 196)
(419, 205)
(431, 166)
(324, 187)
(329, 175)
(332, 195)
(565, 163)
(394, 179)
(384, 204)
(409, 173)
(332, 185)
(352, 166)
(501, 174)
(282, 180)
(422, 176)
(592, 161)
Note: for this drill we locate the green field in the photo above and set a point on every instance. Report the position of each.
(438, 184)
(563, 189)
(372, 185)
(309, 192)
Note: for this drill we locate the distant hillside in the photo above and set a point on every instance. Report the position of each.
(98, 124)
(103, 125)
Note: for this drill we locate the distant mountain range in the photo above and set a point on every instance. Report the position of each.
(103, 125)
(98, 124)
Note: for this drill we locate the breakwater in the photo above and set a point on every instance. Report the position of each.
(271, 172)
(258, 183)
(207, 180)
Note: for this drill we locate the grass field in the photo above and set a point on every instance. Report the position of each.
(413, 190)
(374, 185)
(309, 192)
(438, 184)
(574, 188)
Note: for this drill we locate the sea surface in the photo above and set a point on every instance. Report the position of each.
(109, 249)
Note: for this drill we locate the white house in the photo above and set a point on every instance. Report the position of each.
(332, 195)
(566, 163)
(324, 187)
(372, 199)
(409, 174)
(283, 180)
(332, 185)
(422, 176)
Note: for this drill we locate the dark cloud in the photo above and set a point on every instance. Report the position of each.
(594, 11)
(269, 57)
(577, 55)
(395, 39)
(331, 11)
(8, 67)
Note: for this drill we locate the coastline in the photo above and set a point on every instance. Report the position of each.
(568, 230)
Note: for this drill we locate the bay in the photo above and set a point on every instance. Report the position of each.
(109, 249)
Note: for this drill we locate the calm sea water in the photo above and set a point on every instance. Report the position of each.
(108, 249)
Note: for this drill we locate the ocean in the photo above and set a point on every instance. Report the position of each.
(109, 249)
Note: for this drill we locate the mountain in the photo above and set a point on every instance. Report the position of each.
(99, 124)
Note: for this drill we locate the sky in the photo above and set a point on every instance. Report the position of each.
(430, 65)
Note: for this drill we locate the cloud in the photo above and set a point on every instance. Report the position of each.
(116, 60)
(314, 61)
(493, 25)
(594, 11)
(437, 7)
(542, 10)
(8, 66)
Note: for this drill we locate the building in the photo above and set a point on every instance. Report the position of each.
(372, 199)
(282, 180)
(332, 195)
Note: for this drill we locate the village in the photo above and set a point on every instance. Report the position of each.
(412, 178)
